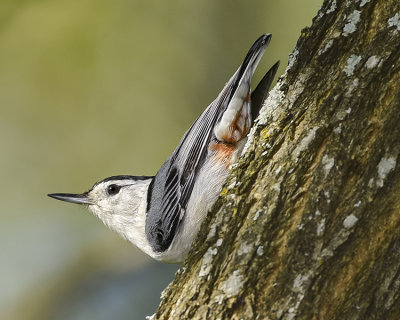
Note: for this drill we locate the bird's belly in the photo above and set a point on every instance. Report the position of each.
(205, 193)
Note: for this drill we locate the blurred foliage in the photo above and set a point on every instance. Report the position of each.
(90, 89)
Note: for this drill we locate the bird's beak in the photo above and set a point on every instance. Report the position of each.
(70, 197)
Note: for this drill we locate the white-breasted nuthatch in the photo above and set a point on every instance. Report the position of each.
(161, 215)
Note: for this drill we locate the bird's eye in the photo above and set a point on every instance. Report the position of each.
(113, 189)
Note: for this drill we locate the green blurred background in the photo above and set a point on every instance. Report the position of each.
(94, 88)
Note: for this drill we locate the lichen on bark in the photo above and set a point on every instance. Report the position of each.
(308, 223)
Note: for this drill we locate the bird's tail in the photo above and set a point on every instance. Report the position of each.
(236, 105)
(259, 95)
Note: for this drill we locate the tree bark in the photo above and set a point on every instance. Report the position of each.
(308, 223)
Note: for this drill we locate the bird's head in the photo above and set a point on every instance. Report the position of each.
(119, 201)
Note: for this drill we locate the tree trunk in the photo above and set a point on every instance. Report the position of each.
(308, 225)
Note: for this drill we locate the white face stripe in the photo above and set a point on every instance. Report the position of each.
(124, 212)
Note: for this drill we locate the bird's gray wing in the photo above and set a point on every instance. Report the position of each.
(170, 190)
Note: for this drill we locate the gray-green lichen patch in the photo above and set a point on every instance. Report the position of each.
(326, 47)
(350, 221)
(299, 282)
(384, 167)
(244, 248)
(206, 263)
(278, 171)
(338, 129)
(364, 2)
(372, 62)
(351, 64)
(351, 25)
(257, 214)
(394, 21)
(292, 303)
(232, 286)
(328, 164)
(320, 227)
(327, 196)
(212, 232)
(305, 142)
(371, 183)
(356, 205)
(233, 184)
(332, 7)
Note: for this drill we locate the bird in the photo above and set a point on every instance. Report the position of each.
(162, 214)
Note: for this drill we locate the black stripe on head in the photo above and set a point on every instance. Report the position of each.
(123, 177)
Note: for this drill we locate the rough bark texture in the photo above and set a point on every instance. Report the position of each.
(308, 225)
